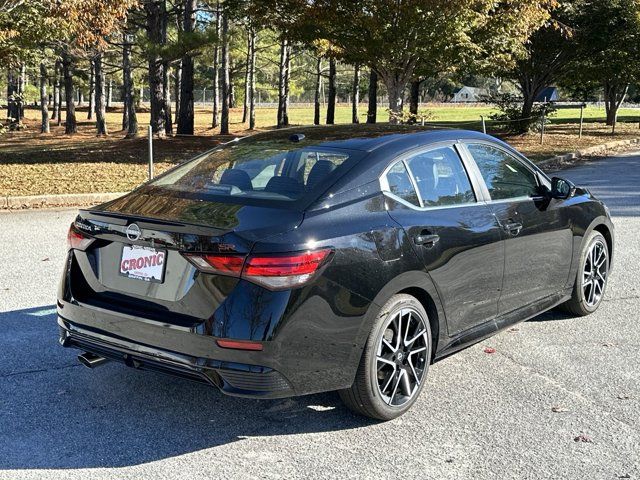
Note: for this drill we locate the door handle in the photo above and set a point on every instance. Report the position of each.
(513, 228)
(426, 239)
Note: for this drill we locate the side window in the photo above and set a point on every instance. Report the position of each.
(441, 178)
(400, 184)
(504, 175)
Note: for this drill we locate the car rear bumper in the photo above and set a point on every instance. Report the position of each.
(232, 378)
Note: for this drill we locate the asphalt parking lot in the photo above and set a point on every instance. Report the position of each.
(559, 398)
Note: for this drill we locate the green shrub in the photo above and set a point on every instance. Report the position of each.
(509, 117)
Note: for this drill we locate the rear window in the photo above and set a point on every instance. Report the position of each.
(269, 170)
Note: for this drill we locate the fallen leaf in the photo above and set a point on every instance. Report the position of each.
(559, 409)
(489, 350)
(514, 329)
(583, 438)
(449, 460)
(46, 259)
(623, 396)
(608, 344)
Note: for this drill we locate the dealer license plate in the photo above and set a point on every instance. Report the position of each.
(143, 263)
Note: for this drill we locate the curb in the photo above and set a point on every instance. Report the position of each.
(64, 200)
(561, 160)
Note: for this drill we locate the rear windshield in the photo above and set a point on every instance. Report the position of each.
(266, 170)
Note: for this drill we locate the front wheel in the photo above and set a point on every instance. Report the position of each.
(592, 276)
(394, 363)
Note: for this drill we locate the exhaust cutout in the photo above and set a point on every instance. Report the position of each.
(91, 360)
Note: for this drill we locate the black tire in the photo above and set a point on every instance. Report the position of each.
(579, 304)
(365, 396)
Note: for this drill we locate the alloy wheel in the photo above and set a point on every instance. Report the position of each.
(594, 273)
(401, 359)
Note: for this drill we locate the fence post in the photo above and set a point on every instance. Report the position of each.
(542, 122)
(204, 96)
(150, 152)
(581, 119)
(484, 125)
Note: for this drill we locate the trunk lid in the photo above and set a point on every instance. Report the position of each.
(170, 225)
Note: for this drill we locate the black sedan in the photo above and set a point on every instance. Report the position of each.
(336, 258)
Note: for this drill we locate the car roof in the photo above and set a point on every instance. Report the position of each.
(363, 137)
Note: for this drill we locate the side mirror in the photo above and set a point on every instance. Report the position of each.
(562, 189)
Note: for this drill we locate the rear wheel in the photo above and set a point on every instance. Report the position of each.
(592, 276)
(394, 363)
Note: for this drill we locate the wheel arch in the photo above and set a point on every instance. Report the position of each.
(608, 236)
(418, 284)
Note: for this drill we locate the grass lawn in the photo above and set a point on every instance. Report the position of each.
(33, 164)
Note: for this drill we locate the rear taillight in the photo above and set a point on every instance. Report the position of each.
(278, 272)
(275, 272)
(77, 239)
(221, 264)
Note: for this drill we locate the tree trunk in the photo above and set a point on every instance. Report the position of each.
(614, 95)
(176, 91)
(245, 103)
(224, 117)
(56, 91)
(232, 87)
(530, 87)
(283, 84)
(101, 124)
(185, 120)
(59, 95)
(215, 121)
(355, 95)
(414, 100)
(155, 12)
(92, 89)
(166, 88)
(110, 92)
(331, 104)
(70, 125)
(316, 96)
(44, 98)
(252, 78)
(395, 88)
(131, 125)
(372, 110)
(13, 106)
(22, 86)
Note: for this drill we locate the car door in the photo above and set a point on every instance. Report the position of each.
(431, 195)
(536, 231)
